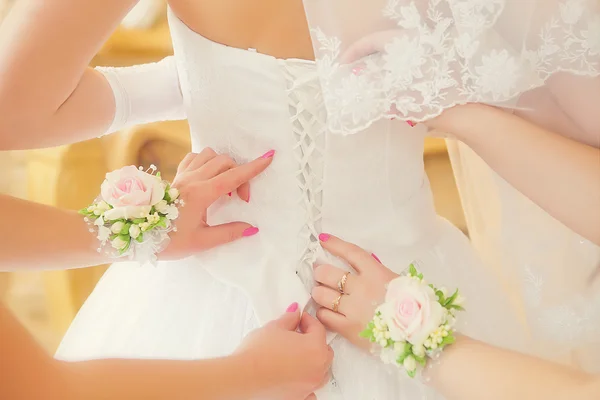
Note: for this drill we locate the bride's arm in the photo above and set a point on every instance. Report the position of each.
(559, 174)
(48, 94)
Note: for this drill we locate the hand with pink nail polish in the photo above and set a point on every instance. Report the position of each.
(289, 358)
(202, 179)
(364, 289)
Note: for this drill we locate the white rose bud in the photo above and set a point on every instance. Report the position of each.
(117, 227)
(399, 347)
(172, 213)
(103, 206)
(144, 226)
(119, 243)
(410, 363)
(418, 350)
(173, 193)
(134, 231)
(153, 219)
(459, 300)
(161, 206)
(99, 221)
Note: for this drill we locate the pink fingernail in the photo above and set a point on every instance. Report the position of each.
(357, 70)
(250, 232)
(376, 258)
(268, 154)
(323, 237)
(292, 308)
(412, 124)
(229, 194)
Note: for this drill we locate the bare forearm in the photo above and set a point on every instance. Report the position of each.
(560, 175)
(42, 237)
(216, 379)
(471, 370)
(48, 95)
(25, 362)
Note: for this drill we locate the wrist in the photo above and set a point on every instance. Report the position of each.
(251, 380)
(464, 122)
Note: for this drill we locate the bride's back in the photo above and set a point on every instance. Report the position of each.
(272, 27)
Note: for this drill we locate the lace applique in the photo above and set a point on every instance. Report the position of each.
(575, 320)
(441, 53)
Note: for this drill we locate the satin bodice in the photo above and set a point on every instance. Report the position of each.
(369, 188)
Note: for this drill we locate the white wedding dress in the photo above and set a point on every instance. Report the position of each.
(369, 188)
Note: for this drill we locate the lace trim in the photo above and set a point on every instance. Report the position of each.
(308, 122)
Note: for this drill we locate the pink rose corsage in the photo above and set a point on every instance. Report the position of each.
(415, 322)
(134, 214)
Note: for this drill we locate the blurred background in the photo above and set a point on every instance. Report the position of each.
(70, 176)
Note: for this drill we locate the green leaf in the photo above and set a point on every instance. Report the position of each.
(113, 237)
(412, 271)
(456, 307)
(420, 360)
(440, 296)
(411, 373)
(152, 210)
(128, 240)
(447, 340)
(83, 211)
(162, 222)
(451, 299)
(420, 276)
(125, 230)
(140, 238)
(139, 221)
(367, 333)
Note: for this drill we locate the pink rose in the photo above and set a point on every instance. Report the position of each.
(131, 192)
(411, 310)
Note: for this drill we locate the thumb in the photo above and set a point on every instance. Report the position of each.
(213, 236)
(290, 320)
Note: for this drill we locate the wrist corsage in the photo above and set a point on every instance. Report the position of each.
(133, 214)
(415, 323)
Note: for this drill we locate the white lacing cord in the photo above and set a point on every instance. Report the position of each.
(308, 125)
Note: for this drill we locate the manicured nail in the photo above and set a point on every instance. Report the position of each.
(412, 124)
(292, 308)
(376, 258)
(250, 232)
(268, 154)
(358, 69)
(229, 194)
(323, 237)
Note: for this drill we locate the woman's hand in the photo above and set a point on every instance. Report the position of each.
(202, 179)
(287, 364)
(363, 290)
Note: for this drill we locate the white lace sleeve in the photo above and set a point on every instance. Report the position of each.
(145, 93)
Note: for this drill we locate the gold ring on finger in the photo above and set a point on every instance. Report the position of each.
(335, 306)
(341, 285)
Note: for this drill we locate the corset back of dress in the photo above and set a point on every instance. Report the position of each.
(369, 188)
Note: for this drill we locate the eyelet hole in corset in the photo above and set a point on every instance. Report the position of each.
(308, 123)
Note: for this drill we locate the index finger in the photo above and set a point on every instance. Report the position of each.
(358, 258)
(230, 180)
(310, 325)
(368, 45)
